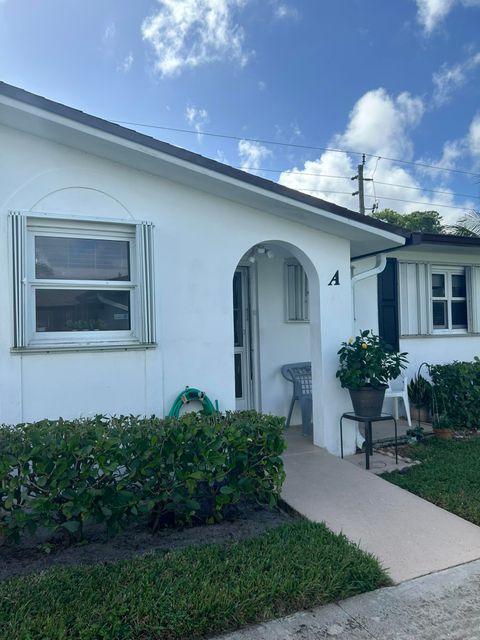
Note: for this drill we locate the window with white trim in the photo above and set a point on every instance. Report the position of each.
(81, 282)
(449, 299)
(296, 292)
(437, 299)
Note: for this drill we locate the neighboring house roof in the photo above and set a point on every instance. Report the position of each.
(382, 234)
(443, 239)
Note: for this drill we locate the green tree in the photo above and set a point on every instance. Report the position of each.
(468, 225)
(420, 221)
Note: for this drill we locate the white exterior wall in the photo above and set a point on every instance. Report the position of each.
(199, 240)
(280, 342)
(365, 298)
(436, 348)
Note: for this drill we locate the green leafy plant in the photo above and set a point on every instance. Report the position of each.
(63, 474)
(456, 392)
(366, 361)
(441, 422)
(415, 434)
(420, 392)
(85, 325)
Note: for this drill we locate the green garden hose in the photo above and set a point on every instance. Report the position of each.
(189, 395)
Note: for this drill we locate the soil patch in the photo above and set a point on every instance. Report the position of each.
(36, 554)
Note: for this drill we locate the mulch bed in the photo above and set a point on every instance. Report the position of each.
(36, 554)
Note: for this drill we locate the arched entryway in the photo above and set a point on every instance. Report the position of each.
(276, 321)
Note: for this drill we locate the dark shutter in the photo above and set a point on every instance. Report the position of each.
(388, 304)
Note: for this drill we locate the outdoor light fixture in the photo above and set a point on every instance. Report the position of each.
(260, 250)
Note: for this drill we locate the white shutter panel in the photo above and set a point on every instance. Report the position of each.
(415, 285)
(424, 287)
(472, 276)
(18, 236)
(146, 282)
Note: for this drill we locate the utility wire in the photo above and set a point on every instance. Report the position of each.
(385, 197)
(293, 145)
(387, 184)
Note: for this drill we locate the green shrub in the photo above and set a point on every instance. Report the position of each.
(63, 474)
(420, 392)
(456, 392)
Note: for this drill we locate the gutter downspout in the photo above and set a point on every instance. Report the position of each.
(380, 264)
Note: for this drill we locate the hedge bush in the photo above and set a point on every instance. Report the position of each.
(63, 474)
(456, 392)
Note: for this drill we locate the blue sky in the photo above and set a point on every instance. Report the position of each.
(397, 79)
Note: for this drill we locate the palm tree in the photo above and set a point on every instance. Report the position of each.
(467, 226)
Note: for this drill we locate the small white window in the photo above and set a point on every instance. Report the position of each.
(449, 300)
(296, 292)
(81, 283)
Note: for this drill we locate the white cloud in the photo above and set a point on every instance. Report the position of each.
(109, 34)
(448, 79)
(381, 125)
(431, 13)
(262, 85)
(474, 137)
(284, 11)
(252, 154)
(378, 123)
(127, 63)
(189, 33)
(197, 118)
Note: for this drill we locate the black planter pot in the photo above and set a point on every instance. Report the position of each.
(368, 401)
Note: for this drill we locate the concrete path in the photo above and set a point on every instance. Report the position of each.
(435, 607)
(410, 536)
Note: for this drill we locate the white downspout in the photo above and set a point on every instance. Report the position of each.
(380, 264)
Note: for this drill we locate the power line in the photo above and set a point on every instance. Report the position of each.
(293, 145)
(448, 193)
(387, 184)
(385, 197)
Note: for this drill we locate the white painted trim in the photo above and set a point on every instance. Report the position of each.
(192, 167)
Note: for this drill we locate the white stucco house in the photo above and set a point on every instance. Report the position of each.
(132, 268)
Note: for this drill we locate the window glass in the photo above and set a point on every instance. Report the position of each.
(438, 285)
(440, 315)
(458, 286)
(81, 259)
(459, 315)
(238, 376)
(296, 292)
(237, 310)
(82, 310)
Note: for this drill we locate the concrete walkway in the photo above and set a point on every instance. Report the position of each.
(435, 607)
(410, 536)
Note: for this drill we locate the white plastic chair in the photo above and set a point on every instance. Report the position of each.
(395, 394)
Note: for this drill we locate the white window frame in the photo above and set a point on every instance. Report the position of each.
(297, 308)
(26, 226)
(448, 272)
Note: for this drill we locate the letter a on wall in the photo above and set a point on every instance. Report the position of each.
(335, 281)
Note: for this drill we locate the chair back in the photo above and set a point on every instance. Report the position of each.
(300, 374)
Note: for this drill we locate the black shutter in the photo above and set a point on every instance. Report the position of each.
(388, 304)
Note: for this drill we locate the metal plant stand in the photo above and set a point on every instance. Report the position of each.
(367, 421)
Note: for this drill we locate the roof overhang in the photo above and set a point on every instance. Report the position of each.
(41, 117)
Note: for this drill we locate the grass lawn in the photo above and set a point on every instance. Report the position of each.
(449, 475)
(189, 593)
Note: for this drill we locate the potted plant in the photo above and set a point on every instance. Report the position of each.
(442, 427)
(420, 395)
(366, 366)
